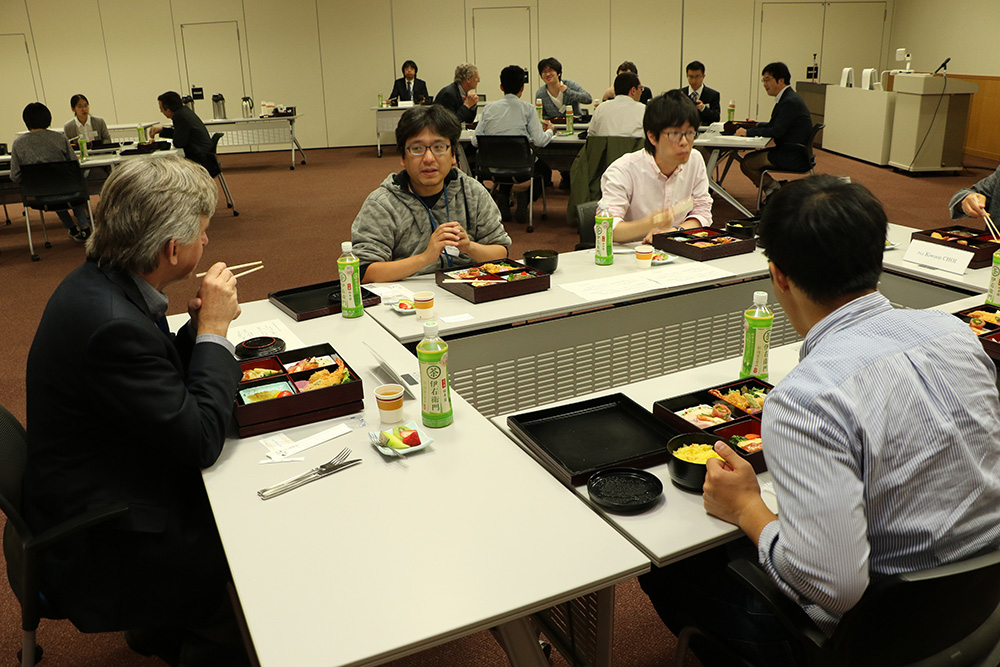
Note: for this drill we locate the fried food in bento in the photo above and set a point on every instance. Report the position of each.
(747, 399)
(993, 318)
(325, 378)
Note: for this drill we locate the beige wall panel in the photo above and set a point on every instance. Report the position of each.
(14, 22)
(723, 44)
(576, 33)
(413, 27)
(69, 63)
(283, 43)
(965, 31)
(199, 11)
(355, 46)
(532, 37)
(142, 60)
(648, 34)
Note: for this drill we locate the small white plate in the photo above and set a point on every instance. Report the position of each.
(404, 311)
(425, 441)
(890, 245)
(666, 259)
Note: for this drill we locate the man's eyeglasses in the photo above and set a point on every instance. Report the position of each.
(416, 150)
(675, 136)
(766, 79)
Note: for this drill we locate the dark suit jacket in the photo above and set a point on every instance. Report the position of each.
(119, 411)
(190, 134)
(452, 97)
(399, 90)
(713, 104)
(790, 124)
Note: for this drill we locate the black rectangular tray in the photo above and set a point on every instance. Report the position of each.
(575, 441)
(305, 303)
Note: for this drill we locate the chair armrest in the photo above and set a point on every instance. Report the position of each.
(791, 615)
(81, 522)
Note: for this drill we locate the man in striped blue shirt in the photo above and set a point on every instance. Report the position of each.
(883, 442)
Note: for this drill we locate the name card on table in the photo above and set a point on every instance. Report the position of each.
(937, 256)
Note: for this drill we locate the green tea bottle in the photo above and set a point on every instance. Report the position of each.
(757, 321)
(349, 268)
(435, 396)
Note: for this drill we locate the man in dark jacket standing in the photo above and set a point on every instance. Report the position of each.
(790, 124)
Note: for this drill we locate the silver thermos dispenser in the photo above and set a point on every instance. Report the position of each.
(218, 106)
(247, 107)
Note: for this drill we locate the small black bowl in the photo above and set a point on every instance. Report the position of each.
(745, 227)
(261, 346)
(542, 260)
(625, 490)
(686, 475)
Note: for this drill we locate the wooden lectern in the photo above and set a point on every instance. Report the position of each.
(917, 97)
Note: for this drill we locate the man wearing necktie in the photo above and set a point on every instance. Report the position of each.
(408, 88)
(120, 411)
(707, 101)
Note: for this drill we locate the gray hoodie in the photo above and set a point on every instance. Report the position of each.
(393, 223)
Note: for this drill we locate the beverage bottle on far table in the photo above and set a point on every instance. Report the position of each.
(82, 142)
(435, 396)
(350, 282)
(732, 110)
(603, 254)
(381, 100)
(757, 321)
(538, 108)
(569, 118)
(993, 295)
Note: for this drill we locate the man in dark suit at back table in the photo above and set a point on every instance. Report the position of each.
(408, 88)
(122, 411)
(790, 124)
(460, 95)
(188, 132)
(708, 101)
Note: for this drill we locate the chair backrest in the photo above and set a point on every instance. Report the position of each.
(52, 183)
(215, 141)
(214, 166)
(945, 611)
(810, 153)
(587, 213)
(506, 153)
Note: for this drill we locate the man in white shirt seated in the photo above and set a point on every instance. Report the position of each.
(621, 116)
(512, 116)
(663, 187)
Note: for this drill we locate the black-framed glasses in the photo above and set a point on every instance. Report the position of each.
(766, 79)
(675, 136)
(416, 150)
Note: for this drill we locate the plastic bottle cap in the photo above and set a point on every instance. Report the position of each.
(760, 298)
(346, 246)
(430, 329)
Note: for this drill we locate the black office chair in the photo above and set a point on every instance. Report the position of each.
(52, 186)
(509, 159)
(218, 172)
(810, 155)
(23, 549)
(586, 213)
(947, 616)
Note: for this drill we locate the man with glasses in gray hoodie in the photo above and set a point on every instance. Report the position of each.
(431, 215)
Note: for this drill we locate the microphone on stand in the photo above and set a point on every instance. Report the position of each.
(943, 66)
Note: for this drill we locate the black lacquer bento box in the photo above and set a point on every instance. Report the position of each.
(702, 243)
(978, 242)
(305, 303)
(574, 441)
(738, 423)
(274, 394)
(500, 279)
(986, 326)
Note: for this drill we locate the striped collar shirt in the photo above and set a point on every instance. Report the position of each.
(884, 447)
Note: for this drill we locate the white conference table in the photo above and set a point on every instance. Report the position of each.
(677, 526)
(257, 131)
(387, 559)
(721, 145)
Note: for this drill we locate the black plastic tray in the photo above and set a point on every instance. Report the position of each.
(305, 303)
(574, 441)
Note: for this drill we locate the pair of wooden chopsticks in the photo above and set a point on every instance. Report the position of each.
(257, 266)
(992, 228)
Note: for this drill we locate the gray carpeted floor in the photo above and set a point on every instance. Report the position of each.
(294, 221)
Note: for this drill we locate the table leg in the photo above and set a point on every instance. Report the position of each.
(295, 143)
(519, 639)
